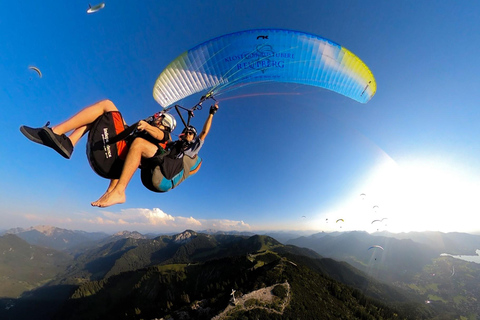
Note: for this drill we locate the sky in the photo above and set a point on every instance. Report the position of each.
(278, 156)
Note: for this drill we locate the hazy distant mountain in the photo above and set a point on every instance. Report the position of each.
(25, 267)
(452, 243)
(445, 283)
(400, 259)
(122, 235)
(283, 236)
(56, 238)
(233, 232)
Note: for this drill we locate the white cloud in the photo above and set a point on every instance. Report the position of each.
(225, 225)
(189, 221)
(157, 216)
(100, 221)
(157, 220)
(134, 219)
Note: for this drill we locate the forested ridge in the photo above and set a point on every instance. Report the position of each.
(192, 276)
(196, 281)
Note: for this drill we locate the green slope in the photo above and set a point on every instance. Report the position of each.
(201, 289)
(25, 267)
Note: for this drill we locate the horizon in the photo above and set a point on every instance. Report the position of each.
(303, 233)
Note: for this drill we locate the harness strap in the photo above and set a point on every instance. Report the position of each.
(124, 134)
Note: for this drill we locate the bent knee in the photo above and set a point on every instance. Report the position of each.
(108, 105)
(146, 148)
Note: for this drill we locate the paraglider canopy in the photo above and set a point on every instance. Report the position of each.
(378, 220)
(95, 8)
(264, 55)
(376, 246)
(36, 70)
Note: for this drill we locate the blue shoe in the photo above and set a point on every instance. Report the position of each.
(33, 134)
(59, 143)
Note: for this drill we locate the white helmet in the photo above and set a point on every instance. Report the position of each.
(169, 121)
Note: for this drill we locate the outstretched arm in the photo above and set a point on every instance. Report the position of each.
(208, 122)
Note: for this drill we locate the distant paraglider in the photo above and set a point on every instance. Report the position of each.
(36, 70)
(376, 246)
(363, 195)
(380, 220)
(340, 220)
(95, 8)
(375, 208)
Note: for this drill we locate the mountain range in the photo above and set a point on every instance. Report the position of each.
(411, 261)
(191, 275)
(56, 238)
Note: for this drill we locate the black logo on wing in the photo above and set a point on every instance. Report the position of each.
(262, 37)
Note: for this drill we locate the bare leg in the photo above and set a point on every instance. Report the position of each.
(111, 186)
(78, 133)
(84, 117)
(139, 148)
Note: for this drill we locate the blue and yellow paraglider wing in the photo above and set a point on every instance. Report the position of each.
(265, 55)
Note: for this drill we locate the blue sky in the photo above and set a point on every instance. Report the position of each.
(276, 152)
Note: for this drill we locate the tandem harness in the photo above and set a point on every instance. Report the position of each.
(165, 171)
(109, 140)
(107, 147)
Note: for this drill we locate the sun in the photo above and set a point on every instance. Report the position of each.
(426, 195)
